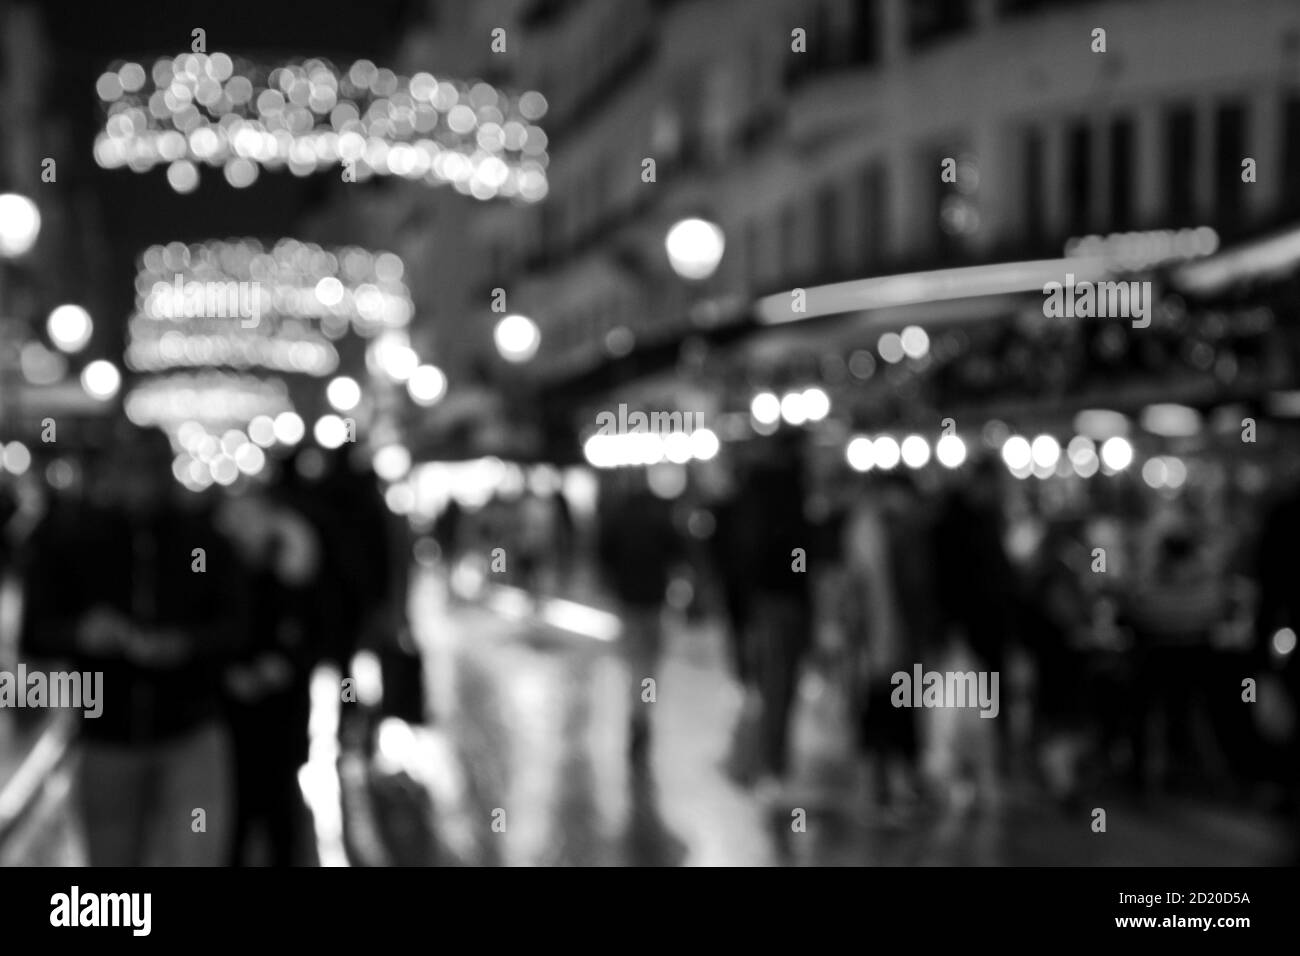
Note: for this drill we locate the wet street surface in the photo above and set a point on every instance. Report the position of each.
(525, 764)
(532, 732)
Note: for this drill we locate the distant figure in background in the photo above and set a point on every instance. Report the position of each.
(637, 547)
(9, 507)
(728, 551)
(566, 533)
(537, 542)
(1058, 617)
(448, 531)
(776, 531)
(978, 590)
(977, 595)
(1275, 656)
(732, 563)
(891, 625)
(1179, 601)
(128, 592)
(367, 552)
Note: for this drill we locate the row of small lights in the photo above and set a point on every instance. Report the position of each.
(349, 284)
(886, 452)
(650, 448)
(809, 405)
(347, 288)
(205, 459)
(150, 352)
(153, 346)
(310, 116)
(797, 407)
(1042, 457)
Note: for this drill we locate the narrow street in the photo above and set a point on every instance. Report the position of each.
(526, 765)
(531, 720)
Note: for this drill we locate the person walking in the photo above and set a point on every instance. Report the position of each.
(637, 547)
(149, 594)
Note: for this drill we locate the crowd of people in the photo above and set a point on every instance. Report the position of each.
(1140, 643)
(206, 614)
(1134, 639)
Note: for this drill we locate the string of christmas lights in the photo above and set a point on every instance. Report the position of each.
(241, 305)
(238, 115)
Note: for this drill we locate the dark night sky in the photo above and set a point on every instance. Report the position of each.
(135, 209)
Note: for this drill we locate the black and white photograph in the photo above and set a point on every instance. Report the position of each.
(651, 434)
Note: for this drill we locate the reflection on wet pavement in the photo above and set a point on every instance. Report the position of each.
(536, 719)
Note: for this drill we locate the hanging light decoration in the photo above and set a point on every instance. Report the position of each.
(213, 319)
(239, 305)
(215, 110)
(215, 400)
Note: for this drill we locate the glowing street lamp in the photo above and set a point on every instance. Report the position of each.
(427, 385)
(343, 393)
(517, 338)
(695, 248)
(69, 327)
(20, 224)
(101, 380)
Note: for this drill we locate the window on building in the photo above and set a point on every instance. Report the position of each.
(822, 40)
(1121, 173)
(753, 249)
(1180, 168)
(690, 119)
(864, 36)
(791, 260)
(1229, 150)
(797, 64)
(1013, 7)
(1032, 183)
(828, 232)
(1291, 155)
(1078, 176)
(540, 13)
(551, 238)
(929, 21)
(875, 213)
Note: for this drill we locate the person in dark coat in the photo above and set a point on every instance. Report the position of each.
(150, 595)
(268, 687)
(637, 547)
(778, 538)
